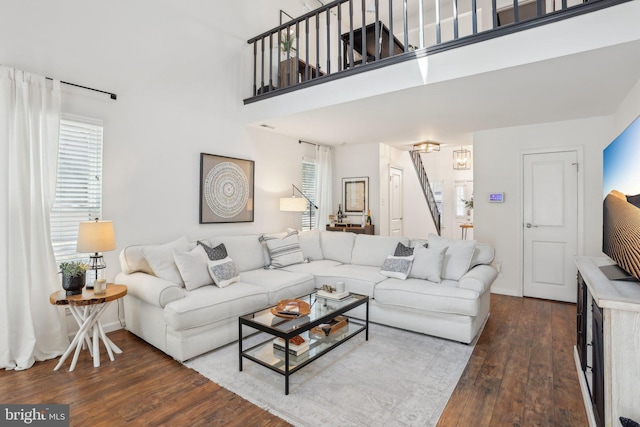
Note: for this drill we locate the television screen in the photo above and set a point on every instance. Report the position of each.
(621, 206)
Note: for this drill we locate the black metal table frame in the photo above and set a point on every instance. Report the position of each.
(288, 335)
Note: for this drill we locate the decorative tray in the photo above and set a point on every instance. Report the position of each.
(291, 309)
(333, 326)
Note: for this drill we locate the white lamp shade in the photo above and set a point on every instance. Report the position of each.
(96, 236)
(293, 204)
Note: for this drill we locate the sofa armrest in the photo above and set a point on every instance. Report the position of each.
(479, 278)
(150, 289)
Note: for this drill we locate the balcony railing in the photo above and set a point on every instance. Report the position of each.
(345, 37)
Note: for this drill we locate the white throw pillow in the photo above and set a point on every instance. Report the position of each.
(223, 272)
(427, 263)
(457, 258)
(160, 259)
(193, 267)
(397, 266)
(285, 251)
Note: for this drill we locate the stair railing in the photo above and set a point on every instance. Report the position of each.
(426, 188)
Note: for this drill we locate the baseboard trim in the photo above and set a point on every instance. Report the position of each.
(504, 291)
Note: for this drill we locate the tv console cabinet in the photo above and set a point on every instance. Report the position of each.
(607, 351)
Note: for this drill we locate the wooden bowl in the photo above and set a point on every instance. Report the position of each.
(291, 309)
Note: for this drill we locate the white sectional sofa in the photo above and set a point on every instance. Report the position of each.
(164, 308)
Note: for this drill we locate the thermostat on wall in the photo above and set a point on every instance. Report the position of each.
(496, 197)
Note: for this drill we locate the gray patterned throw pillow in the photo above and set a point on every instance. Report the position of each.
(402, 250)
(214, 254)
(223, 272)
(397, 267)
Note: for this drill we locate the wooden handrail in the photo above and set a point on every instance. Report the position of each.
(426, 188)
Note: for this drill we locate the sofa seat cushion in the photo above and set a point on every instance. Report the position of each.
(417, 294)
(210, 304)
(360, 279)
(313, 267)
(280, 284)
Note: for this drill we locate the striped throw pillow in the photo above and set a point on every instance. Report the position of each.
(285, 251)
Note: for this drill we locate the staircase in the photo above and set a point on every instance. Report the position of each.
(426, 188)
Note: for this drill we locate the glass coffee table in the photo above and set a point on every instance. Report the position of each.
(323, 312)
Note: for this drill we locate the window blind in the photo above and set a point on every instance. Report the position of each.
(78, 184)
(309, 189)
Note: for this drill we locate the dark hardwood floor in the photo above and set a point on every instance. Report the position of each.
(521, 373)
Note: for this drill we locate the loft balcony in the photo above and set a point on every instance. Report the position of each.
(346, 37)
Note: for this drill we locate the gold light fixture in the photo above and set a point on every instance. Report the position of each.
(461, 159)
(426, 147)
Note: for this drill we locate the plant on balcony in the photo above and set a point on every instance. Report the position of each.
(288, 39)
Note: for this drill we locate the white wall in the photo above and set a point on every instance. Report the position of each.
(358, 160)
(628, 110)
(497, 159)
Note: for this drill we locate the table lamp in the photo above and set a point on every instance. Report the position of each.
(96, 236)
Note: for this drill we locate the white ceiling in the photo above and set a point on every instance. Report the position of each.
(587, 84)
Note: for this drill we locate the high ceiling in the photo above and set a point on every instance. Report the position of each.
(582, 85)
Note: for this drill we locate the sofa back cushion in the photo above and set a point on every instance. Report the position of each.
(457, 258)
(246, 251)
(337, 246)
(373, 250)
(160, 259)
(483, 254)
(310, 244)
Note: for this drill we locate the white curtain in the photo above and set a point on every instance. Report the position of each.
(31, 329)
(324, 182)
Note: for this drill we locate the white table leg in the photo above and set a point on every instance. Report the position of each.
(107, 342)
(96, 346)
(92, 316)
(79, 316)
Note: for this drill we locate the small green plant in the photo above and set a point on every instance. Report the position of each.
(73, 268)
(468, 203)
(287, 42)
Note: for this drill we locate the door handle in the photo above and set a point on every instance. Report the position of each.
(529, 225)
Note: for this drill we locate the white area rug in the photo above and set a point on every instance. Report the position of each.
(397, 378)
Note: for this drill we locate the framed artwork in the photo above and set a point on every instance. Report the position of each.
(355, 195)
(226, 189)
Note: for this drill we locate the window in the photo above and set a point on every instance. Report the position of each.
(78, 185)
(309, 189)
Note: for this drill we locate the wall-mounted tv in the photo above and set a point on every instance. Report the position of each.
(621, 206)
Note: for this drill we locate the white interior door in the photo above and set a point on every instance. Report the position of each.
(395, 202)
(550, 236)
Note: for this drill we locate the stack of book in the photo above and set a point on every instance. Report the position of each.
(333, 295)
(297, 345)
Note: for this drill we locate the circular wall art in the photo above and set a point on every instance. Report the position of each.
(226, 189)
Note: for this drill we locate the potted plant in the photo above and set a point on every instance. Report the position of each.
(73, 276)
(288, 39)
(468, 204)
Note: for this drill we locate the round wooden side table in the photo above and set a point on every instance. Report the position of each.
(87, 308)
